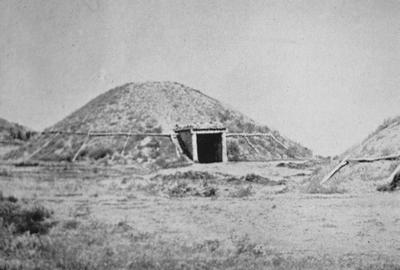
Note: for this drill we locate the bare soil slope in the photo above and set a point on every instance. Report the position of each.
(154, 107)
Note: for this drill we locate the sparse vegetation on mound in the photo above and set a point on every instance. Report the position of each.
(152, 107)
(12, 136)
(14, 133)
(383, 142)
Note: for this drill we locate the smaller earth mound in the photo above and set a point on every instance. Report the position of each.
(368, 176)
(13, 135)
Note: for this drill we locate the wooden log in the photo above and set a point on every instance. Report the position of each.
(347, 160)
(41, 147)
(341, 164)
(178, 148)
(82, 147)
(251, 145)
(99, 134)
(393, 174)
(105, 133)
(276, 140)
(257, 135)
(247, 134)
(125, 144)
(373, 159)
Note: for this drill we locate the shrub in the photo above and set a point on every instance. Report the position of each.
(19, 133)
(297, 166)
(164, 163)
(255, 178)
(316, 188)
(151, 188)
(161, 163)
(392, 185)
(233, 150)
(24, 218)
(100, 152)
(386, 187)
(190, 175)
(293, 152)
(5, 172)
(209, 191)
(242, 192)
(9, 198)
(27, 164)
(70, 224)
(179, 190)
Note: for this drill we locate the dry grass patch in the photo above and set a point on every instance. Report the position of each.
(98, 246)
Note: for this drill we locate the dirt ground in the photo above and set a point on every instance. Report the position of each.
(279, 219)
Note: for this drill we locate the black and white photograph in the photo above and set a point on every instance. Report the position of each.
(199, 134)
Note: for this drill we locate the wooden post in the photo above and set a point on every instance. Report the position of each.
(195, 155)
(224, 148)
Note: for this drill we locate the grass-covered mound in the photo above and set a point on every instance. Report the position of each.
(366, 177)
(153, 107)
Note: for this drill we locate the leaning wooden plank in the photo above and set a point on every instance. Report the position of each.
(393, 174)
(341, 164)
(41, 147)
(257, 135)
(178, 148)
(125, 144)
(82, 147)
(250, 144)
(276, 140)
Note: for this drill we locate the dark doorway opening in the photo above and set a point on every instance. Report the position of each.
(209, 147)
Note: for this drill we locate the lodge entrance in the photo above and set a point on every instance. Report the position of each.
(203, 145)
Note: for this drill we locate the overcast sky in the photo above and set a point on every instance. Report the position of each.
(324, 73)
